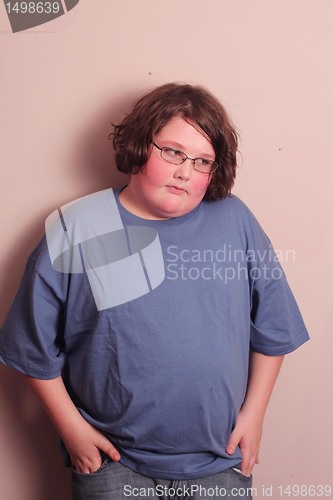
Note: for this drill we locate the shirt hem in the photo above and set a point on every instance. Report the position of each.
(153, 473)
(281, 350)
(14, 365)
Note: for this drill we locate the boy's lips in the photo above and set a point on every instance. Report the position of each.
(176, 189)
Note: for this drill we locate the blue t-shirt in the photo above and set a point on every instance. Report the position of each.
(151, 323)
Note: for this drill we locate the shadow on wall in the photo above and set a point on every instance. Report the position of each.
(31, 466)
(29, 443)
(93, 158)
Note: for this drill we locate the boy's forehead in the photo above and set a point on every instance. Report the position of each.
(178, 125)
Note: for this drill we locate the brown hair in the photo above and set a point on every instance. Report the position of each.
(133, 137)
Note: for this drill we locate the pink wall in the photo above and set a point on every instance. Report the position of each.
(61, 86)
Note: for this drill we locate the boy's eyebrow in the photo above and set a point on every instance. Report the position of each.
(181, 148)
(173, 143)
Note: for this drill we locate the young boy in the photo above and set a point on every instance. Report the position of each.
(152, 320)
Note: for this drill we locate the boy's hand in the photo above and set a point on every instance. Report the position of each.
(246, 435)
(84, 444)
(82, 440)
(247, 432)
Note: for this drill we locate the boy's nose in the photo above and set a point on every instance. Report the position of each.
(184, 170)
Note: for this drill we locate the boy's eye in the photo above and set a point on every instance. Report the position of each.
(203, 161)
(172, 152)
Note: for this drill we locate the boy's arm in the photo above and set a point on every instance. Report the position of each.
(82, 440)
(247, 432)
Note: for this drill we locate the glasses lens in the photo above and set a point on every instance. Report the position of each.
(205, 166)
(173, 155)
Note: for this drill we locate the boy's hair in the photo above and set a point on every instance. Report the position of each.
(195, 104)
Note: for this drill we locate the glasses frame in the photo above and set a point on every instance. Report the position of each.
(214, 164)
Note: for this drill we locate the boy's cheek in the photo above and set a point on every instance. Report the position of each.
(199, 186)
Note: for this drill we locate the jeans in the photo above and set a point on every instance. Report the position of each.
(114, 481)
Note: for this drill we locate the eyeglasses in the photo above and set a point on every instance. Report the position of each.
(177, 157)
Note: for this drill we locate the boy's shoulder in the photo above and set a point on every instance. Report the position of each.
(235, 215)
(95, 213)
(70, 226)
(93, 207)
(233, 206)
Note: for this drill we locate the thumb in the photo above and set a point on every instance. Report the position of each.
(110, 450)
(232, 444)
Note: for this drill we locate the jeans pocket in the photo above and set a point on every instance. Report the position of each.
(105, 461)
(237, 470)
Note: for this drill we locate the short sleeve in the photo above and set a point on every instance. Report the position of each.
(31, 336)
(277, 326)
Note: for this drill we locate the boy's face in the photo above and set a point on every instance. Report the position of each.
(162, 190)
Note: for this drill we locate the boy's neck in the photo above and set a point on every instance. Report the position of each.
(129, 201)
